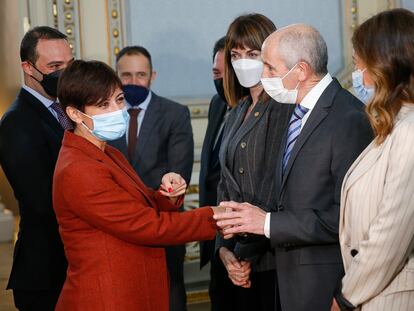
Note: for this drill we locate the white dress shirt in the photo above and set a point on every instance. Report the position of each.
(309, 102)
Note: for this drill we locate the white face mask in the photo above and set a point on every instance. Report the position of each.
(274, 87)
(248, 71)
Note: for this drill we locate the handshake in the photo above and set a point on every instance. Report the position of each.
(234, 218)
(239, 218)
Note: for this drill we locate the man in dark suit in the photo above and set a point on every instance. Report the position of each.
(159, 140)
(209, 179)
(327, 131)
(30, 138)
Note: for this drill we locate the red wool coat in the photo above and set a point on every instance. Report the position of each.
(113, 228)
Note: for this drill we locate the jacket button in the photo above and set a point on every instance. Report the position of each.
(256, 114)
(241, 170)
(243, 145)
(354, 252)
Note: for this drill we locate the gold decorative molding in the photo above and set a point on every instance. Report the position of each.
(354, 14)
(66, 19)
(115, 28)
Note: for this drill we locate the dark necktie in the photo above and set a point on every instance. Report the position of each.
(63, 119)
(293, 132)
(132, 131)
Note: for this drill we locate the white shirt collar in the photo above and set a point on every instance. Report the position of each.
(45, 101)
(144, 104)
(310, 99)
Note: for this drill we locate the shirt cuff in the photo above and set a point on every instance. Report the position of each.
(267, 226)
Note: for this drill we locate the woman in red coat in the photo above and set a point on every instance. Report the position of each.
(113, 227)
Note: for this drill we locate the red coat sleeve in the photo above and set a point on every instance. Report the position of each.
(92, 194)
(164, 203)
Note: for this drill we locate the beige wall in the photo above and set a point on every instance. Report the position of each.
(10, 36)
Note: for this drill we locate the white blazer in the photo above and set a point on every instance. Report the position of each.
(376, 228)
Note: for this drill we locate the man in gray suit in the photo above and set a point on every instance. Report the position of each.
(159, 140)
(327, 131)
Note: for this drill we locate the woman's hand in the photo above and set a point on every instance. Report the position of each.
(335, 306)
(172, 186)
(238, 271)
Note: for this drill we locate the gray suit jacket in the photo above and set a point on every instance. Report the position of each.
(304, 224)
(248, 158)
(165, 142)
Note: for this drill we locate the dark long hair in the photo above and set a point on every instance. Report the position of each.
(246, 31)
(385, 43)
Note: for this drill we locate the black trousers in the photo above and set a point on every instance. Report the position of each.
(221, 290)
(35, 300)
(225, 296)
(175, 265)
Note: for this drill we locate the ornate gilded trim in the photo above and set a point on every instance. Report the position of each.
(116, 35)
(66, 19)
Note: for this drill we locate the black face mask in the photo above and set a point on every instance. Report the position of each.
(49, 81)
(218, 83)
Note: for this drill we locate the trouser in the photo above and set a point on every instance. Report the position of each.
(26, 300)
(225, 296)
(175, 265)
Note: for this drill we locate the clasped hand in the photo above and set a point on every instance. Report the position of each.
(238, 218)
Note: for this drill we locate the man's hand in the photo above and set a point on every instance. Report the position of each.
(238, 271)
(241, 218)
(172, 186)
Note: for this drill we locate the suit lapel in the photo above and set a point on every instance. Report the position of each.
(152, 114)
(42, 111)
(128, 170)
(318, 114)
(362, 164)
(234, 122)
(255, 115)
(213, 127)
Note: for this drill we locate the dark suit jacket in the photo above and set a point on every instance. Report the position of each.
(210, 172)
(165, 142)
(30, 139)
(305, 222)
(248, 159)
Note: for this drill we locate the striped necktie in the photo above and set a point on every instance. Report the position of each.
(295, 125)
(63, 119)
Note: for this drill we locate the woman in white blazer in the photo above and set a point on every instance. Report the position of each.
(377, 204)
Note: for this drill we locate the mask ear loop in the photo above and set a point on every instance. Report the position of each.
(43, 75)
(289, 71)
(296, 87)
(84, 124)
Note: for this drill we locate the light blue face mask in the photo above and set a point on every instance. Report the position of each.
(109, 126)
(365, 94)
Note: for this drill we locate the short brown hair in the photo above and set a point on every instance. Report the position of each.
(30, 40)
(135, 50)
(385, 43)
(246, 31)
(86, 83)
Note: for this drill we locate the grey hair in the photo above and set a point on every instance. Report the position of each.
(303, 43)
